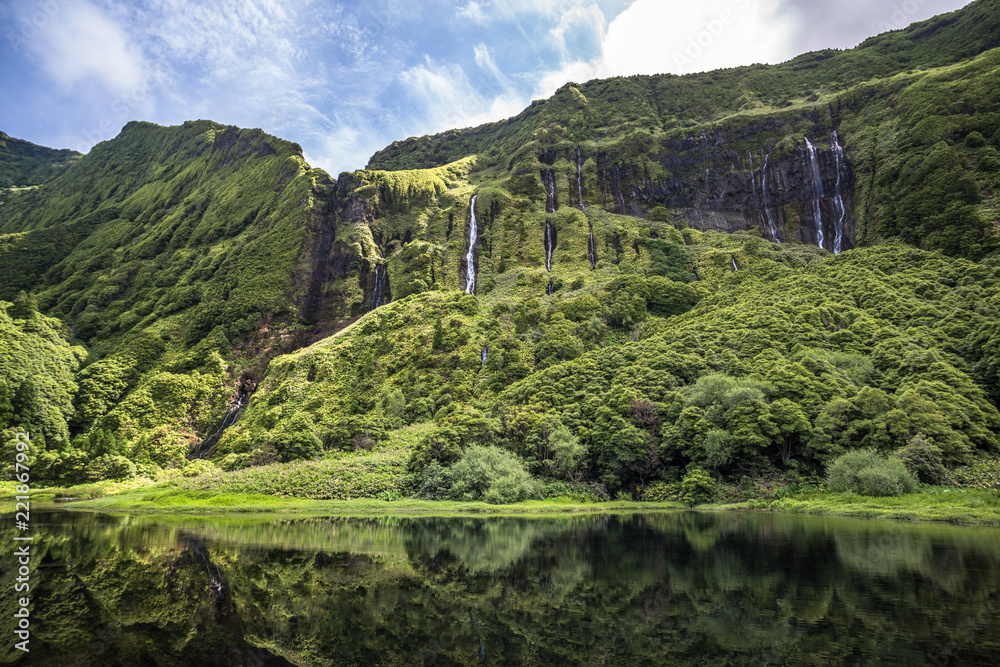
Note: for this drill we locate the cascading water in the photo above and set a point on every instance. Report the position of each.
(767, 209)
(378, 291)
(592, 248)
(838, 199)
(579, 177)
(549, 180)
(735, 268)
(817, 185)
(206, 445)
(470, 256)
(704, 137)
(486, 352)
(549, 242)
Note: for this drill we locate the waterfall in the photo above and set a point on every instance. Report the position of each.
(704, 137)
(551, 288)
(838, 200)
(232, 415)
(378, 292)
(549, 180)
(549, 242)
(592, 248)
(470, 256)
(485, 354)
(767, 209)
(817, 192)
(579, 177)
(735, 268)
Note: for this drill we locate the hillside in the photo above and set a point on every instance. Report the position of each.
(747, 271)
(24, 165)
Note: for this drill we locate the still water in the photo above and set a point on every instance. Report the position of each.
(667, 588)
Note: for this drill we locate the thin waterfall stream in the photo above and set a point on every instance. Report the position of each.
(470, 256)
(817, 185)
(838, 200)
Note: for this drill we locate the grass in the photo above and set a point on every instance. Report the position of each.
(941, 504)
(965, 506)
(159, 499)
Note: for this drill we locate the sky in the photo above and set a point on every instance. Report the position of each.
(345, 79)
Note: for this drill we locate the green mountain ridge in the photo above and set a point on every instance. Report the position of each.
(714, 271)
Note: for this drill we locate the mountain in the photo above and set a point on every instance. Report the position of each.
(24, 165)
(745, 270)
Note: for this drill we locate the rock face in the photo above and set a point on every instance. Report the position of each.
(717, 181)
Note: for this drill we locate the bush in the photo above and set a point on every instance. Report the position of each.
(697, 487)
(491, 474)
(433, 482)
(868, 473)
(235, 461)
(981, 474)
(297, 445)
(110, 467)
(199, 467)
(660, 492)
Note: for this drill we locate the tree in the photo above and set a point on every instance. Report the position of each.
(25, 404)
(792, 427)
(24, 307)
(568, 453)
(6, 406)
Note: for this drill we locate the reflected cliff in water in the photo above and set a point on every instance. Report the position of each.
(636, 589)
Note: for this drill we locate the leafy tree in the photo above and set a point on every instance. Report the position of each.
(25, 306)
(7, 411)
(793, 428)
(568, 453)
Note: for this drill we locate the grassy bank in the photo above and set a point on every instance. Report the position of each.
(977, 506)
(199, 502)
(968, 506)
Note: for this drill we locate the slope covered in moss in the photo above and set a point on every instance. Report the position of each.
(652, 274)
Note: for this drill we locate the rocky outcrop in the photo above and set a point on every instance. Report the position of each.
(737, 179)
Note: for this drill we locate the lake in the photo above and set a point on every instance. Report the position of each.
(624, 589)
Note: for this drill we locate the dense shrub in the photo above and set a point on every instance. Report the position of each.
(868, 473)
(110, 467)
(199, 467)
(982, 474)
(697, 487)
(491, 474)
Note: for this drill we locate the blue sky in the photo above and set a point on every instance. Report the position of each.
(344, 79)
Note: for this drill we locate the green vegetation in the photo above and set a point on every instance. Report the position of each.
(164, 499)
(950, 505)
(24, 165)
(194, 306)
(866, 472)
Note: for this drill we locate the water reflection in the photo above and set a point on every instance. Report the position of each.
(654, 588)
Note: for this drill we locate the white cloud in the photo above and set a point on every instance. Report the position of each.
(474, 12)
(79, 45)
(655, 37)
(449, 99)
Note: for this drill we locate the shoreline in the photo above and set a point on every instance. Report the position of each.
(963, 507)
